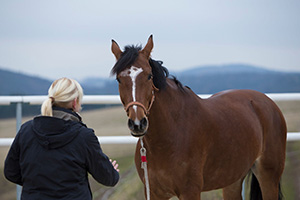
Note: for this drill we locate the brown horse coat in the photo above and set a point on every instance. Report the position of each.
(195, 144)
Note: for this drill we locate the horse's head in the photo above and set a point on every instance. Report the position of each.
(136, 88)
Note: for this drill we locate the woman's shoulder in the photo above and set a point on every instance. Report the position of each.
(86, 133)
(24, 133)
(83, 128)
(26, 125)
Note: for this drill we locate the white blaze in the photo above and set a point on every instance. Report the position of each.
(133, 72)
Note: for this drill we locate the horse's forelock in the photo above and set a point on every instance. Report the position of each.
(128, 57)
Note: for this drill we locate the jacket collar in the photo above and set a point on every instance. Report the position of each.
(66, 114)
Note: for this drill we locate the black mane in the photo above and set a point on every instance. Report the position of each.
(159, 72)
(160, 75)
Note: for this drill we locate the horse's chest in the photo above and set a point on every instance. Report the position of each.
(162, 182)
(166, 172)
(168, 177)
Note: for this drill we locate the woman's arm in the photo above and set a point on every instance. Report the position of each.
(12, 170)
(99, 165)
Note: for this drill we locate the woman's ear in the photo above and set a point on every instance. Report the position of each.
(75, 105)
(74, 102)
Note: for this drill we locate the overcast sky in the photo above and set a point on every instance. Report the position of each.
(72, 38)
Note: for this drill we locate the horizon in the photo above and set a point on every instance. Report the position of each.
(172, 72)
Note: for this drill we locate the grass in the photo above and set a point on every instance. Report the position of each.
(112, 121)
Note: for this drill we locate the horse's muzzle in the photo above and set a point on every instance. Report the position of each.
(138, 128)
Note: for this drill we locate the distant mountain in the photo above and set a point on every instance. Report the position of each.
(224, 69)
(14, 83)
(94, 82)
(204, 79)
(94, 85)
(212, 79)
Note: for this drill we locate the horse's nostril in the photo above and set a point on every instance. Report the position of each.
(138, 127)
(130, 124)
(144, 123)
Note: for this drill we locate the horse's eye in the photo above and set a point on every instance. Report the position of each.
(150, 76)
(118, 80)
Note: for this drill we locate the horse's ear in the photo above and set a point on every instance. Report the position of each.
(148, 48)
(116, 49)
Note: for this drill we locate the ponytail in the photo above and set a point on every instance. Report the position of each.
(61, 93)
(46, 109)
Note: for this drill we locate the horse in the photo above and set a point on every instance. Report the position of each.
(193, 144)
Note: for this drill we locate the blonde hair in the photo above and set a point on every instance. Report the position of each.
(61, 93)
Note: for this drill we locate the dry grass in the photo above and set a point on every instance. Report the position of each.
(112, 121)
(108, 121)
(291, 111)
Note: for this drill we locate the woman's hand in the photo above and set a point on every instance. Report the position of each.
(115, 164)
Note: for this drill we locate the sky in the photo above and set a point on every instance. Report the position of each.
(72, 38)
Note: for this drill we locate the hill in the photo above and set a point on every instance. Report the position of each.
(212, 79)
(202, 80)
(13, 83)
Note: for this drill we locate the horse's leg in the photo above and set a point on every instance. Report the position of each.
(268, 177)
(190, 196)
(269, 166)
(154, 197)
(192, 191)
(233, 191)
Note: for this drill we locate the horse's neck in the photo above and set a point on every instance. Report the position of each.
(172, 100)
(167, 103)
(167, 112)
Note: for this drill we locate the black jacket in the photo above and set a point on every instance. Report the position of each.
(51, 157)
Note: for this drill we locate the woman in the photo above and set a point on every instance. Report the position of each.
(52, 154)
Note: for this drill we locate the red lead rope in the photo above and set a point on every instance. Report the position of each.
(144, 167)
(143, 158)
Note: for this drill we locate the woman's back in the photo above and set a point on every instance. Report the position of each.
(51, 157)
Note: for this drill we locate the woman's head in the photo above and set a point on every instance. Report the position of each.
(63, 92)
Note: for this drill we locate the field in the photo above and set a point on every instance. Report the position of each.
(112, 121)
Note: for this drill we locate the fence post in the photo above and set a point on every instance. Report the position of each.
(18, 126)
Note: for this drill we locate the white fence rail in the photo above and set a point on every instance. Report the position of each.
(102, 140)
(38, 100)
(293, 136)
(115, 99)
(110, 99)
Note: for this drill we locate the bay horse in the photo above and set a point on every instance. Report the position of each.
(195, 145)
